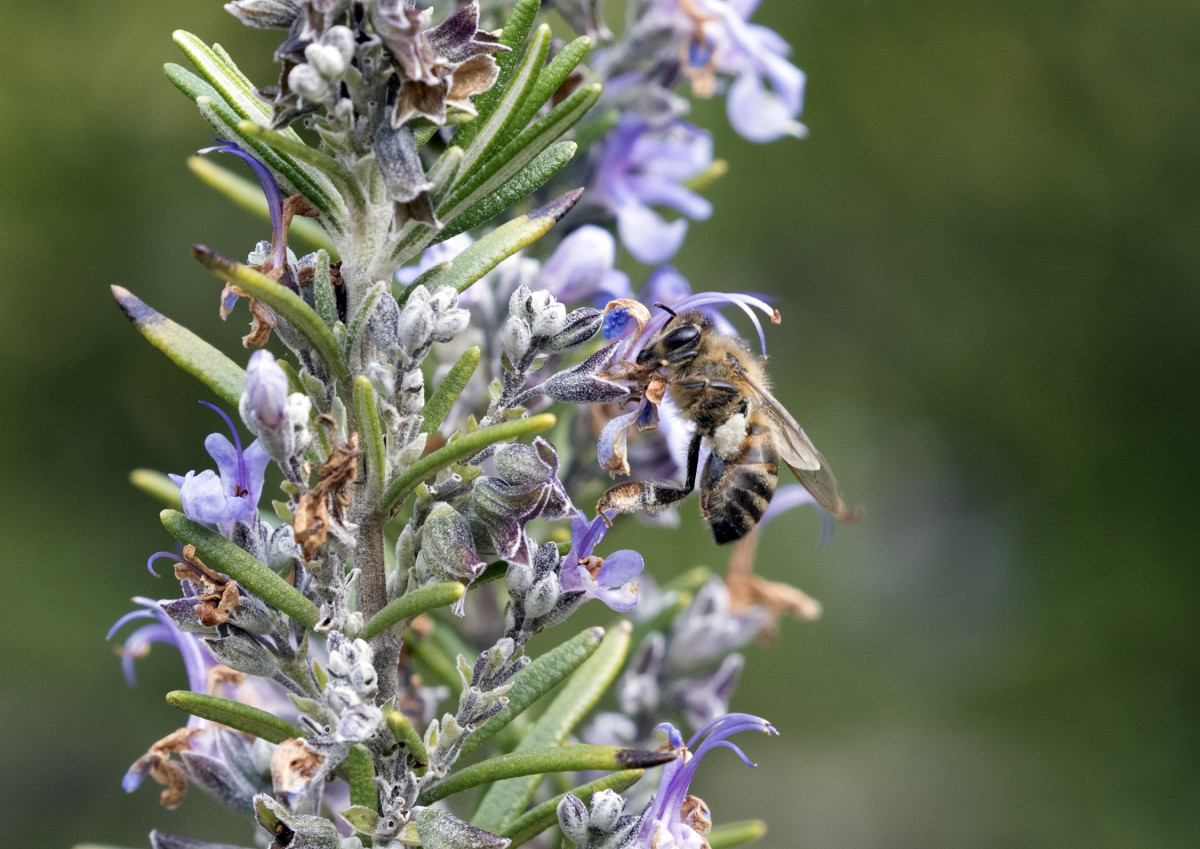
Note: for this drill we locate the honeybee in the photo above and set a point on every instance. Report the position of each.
(718, 384)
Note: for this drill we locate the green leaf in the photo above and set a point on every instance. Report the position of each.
(362, 313)
(534, 681)
(442, 399)
(537, 762)
(513, 36)
(157, 485)
(370, 431)
(413, 603)
(736, 834)
(552, 76)
(324, 298)
(503, 242)
(234, 99)
(236, 715)
(536, 820)
(459, 449)
(248, 195)
(531, 178)
(407, 736)
(503, 802)
(224, 120)
(362, 770)
(497, 169)
(221, 554)
(187, 350)
(279, 298)
(492, 128)
(298, 149)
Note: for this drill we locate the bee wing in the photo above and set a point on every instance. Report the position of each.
(803, 458)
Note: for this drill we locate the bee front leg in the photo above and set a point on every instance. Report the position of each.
(650, 496)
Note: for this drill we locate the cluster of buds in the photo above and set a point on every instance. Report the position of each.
(604, 826)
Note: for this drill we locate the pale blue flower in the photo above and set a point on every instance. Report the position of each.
(581, 268)
(641, 166)
(664, 825)
(612, 581)
(231, 496)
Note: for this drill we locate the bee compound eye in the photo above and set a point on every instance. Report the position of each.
(681, 337)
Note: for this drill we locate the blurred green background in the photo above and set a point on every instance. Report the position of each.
(986, 257)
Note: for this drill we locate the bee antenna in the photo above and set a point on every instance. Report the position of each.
(664, 307)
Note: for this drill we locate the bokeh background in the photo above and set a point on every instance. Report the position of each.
(986, 256)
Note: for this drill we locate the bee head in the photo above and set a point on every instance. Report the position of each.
(676, 341)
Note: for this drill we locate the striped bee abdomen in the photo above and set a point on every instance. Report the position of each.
(734, 494)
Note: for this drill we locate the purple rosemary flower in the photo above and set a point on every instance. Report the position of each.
(229, 497)
(196, 661)
(610, 578)
(767, 92)
(266, 391)
(640, 166)
(581, 268)
(675, 818)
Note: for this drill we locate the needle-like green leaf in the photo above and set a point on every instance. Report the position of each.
(279, 298)
(236, 715)
(413, 603)
(222, 555)
(370, 432)
(504, 801)
(406, 735)
(534, 175)
(458, 449)
(157, 485)
(187, 350)
(538, 762)
(534, 681)
(442, 399)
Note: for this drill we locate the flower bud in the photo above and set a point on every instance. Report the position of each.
(516, 336)
(573, 819)
(265, 393)
(578, 327)
(326, 59)
(242, 652)
(542, 597)
(306, 81)
(294, 831)
(341, 39)
(607, 807)
(416, 323)
(519, 302)
(550, 320)
(519, 578)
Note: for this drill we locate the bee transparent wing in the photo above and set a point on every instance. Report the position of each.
(803, 458)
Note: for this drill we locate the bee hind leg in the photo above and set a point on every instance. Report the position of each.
(650, 496)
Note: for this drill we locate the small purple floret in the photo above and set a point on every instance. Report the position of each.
(612, 583)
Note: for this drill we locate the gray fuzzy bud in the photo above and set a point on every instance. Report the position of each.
(550, 320)
(327, 60)
(519, 578)
(607, 807)
(519, 302)
(341, 39)
(579, 326)
(238, 650)
(383, 325)
(225, 784)
(252, 615)
(516, 336)
(573, 819)
(416, 323)
(306, 81)
(542, 597)
(182, 613)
